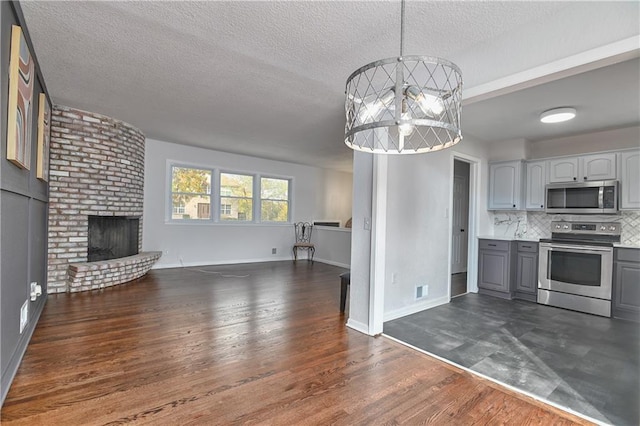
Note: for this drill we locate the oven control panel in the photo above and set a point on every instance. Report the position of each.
(595, 228)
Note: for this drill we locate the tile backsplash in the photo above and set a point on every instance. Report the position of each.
(536, 225)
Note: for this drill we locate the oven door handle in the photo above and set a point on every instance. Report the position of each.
(582, 249)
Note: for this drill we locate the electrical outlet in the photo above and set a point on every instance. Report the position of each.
(274, 250)
(24, 315)
(35, 291)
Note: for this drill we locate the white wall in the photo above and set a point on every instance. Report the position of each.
(333, 245)
(361, 242)
(609, 140)
(516, 149)
(203, 244)
(418, 228)
(337, 196)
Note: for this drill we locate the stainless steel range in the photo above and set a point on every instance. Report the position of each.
(576, 266)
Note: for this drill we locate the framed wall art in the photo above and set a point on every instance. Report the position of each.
(44, 131)
(21, 82)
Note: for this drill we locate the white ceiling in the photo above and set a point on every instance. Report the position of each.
(267, 78)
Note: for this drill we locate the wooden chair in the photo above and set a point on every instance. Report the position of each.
(303, 240)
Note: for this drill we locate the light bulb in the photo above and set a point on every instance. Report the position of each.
(370, 110)
(405, 128)
(430, 105)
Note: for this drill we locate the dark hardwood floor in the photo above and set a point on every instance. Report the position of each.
(255, 343)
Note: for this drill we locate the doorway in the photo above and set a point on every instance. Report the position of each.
(460, 228)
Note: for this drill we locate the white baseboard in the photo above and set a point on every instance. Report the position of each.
(416, 307)
(331, 262)
(219, 262)
(236, 261)
(358, 326)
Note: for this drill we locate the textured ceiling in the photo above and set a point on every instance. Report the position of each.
(267, 78)
(604, 98)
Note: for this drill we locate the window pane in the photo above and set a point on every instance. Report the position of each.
(275, 189)
(191, 206)
(236, 185)
(190, 180)
(239, 209)
(275, 211)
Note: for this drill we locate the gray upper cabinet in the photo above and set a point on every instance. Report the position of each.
(505, 185)
(563, 170)
(583, 168)
(536, 179)
(630, 180)
(597, 167)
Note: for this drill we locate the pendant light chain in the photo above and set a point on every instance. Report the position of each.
(401, 28)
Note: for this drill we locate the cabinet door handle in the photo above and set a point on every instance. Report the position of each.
(462, 230)
(585, 178)
(541, 206)
(526, 246)
(491, 245)
(514, 205)
(575, 178)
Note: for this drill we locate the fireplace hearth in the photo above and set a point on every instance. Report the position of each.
(112, 237)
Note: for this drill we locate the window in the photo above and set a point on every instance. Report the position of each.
(274, 200)
(190, 193)
(237, 191)
(208, 195)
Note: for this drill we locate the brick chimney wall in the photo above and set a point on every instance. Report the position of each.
(96, 168)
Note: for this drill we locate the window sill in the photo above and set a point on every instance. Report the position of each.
(331, 228)
(210, 223)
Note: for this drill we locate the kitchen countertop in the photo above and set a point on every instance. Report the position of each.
(504, 238)
(629, 246)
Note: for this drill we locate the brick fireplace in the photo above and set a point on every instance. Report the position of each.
(96, 169)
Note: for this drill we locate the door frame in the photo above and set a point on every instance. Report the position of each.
(465, 210)
(474, 203)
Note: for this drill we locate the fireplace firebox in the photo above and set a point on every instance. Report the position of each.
(111, 237)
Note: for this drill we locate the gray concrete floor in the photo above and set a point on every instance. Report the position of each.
(586, 363)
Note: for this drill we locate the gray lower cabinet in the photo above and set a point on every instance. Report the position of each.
(495, 272)
(527, 271)
(626, 284)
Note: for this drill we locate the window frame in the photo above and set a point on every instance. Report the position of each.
(252, 198)
(289, 203)
(215, 196)
(169, 193)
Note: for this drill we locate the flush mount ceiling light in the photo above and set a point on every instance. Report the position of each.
(558, 115)
(404, 105)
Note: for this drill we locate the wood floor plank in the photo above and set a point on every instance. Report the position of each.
(239, 344)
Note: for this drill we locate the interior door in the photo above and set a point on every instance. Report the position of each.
(460, 218)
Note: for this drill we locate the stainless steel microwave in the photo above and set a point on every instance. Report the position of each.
(596, 197)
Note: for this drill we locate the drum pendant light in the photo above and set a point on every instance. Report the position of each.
(404, 105)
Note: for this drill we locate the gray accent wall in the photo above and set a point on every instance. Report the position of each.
(23, 220)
